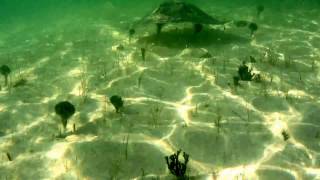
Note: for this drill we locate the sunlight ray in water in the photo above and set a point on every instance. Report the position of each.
(184, 107)
(240, 172)
(58, 150)
(57, 168)
(2, 108)
(313, 172)
(26, 128)
(74, 72)
(184, 112)
(169, 134)
(277, 125)
(270, 151)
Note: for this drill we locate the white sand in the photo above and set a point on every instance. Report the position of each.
(176, 105)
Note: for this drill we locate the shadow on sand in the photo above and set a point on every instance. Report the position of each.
(180, 38)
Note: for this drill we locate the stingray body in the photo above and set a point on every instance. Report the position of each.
(179, 12)
(182, 12)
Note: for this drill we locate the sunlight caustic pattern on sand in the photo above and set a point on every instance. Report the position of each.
(178, 97)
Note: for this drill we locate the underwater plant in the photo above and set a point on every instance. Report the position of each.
(159, 27)
(131, 33)
(257, 78)
(20, 82)
(65, 110)
(285, 135)
(126, 144)
(253, 28)
(252, 59)
(176, 167)
(84, 84)
(143, 54)
(120, 47)
(5, 71)
(140, 79)
(155, 112)
(245, 73)
(117, 102)
(260, 9)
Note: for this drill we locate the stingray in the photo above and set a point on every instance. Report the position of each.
(179, 12)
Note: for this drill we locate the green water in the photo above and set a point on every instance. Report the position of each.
(181, 95)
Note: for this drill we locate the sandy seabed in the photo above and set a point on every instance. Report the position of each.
(177, 98)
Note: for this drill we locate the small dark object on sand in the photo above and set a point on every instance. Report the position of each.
(176, 167)
(198, 28)
(260, 9)
(9, 156)
(117, 102)
(159, 27)
(285, 135)
(20, 82)
(236, 80)
(257, 78)
(120, 47)
(143, 53)
(253, 28)
(245, 73)
(131, 32)
(65, 110)
(206, 55)
(317, 134)
(252, 59)
(5, 71)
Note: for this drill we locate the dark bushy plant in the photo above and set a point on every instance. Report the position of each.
(176, 167)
